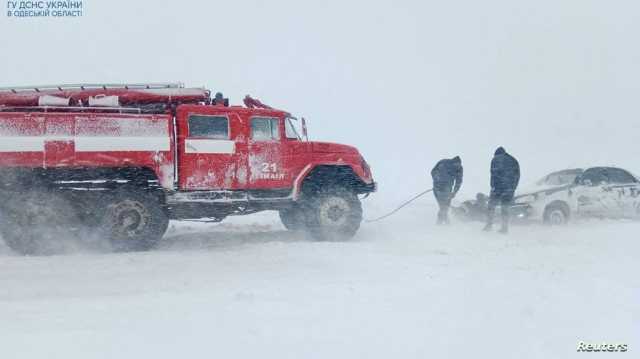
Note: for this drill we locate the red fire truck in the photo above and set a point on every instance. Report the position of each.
(123, 159)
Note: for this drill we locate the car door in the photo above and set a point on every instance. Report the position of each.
(622, 192)
(592, 199)
(209, 158)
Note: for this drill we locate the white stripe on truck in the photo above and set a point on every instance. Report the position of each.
(210, 146)
(22, 144)
(86, 143)
(106, 144)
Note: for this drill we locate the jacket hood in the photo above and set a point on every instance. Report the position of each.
(500, 151)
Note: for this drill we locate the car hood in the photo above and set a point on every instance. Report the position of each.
(537, 190)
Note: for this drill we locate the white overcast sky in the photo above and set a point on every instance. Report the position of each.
(408, 82)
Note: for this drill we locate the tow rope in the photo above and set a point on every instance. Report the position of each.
(400, 207)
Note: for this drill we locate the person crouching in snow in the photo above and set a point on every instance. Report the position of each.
(473, 210)
(447, 179)
(505, 176)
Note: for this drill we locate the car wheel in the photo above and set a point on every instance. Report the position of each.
(556, 214)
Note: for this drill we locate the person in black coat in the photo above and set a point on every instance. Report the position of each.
(447, 179)
(505, 176)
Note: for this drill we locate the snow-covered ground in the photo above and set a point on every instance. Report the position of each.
(408, 83)
(403, 288)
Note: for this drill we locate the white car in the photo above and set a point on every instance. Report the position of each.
(603, 192)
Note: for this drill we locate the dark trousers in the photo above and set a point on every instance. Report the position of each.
(444, 202)
(505, 200)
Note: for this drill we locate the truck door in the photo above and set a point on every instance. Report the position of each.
(295, 151)
(208, 144)
(266, 167)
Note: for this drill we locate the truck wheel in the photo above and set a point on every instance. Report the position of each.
(36, 223)
(134, 221)
(556, 213)
(333, 214)
(293, 218)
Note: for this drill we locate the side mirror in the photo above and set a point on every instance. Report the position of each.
(305, 134)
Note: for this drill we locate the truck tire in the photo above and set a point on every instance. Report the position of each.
(293, 218)
(333, 214)
(37, 222)
(133, 220)
(556, 214)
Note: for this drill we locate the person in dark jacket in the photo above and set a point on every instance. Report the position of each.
(505, 176)
(220, 100)
(447, 179)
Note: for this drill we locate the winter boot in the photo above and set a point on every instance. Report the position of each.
(490, 215)
(504, 229)
(442, 218)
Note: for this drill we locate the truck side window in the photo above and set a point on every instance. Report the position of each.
(264, 129)
(214, 127)
(290, 130)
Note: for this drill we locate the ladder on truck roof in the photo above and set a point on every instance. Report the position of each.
(81, 87)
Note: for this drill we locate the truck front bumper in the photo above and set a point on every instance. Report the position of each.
(371, 187)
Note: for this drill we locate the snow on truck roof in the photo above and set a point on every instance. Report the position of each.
(84, 86)
(150, 98)
(97, 95)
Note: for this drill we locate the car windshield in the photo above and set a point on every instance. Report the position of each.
(560, 178)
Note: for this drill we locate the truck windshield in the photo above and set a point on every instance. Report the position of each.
(290, 129)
